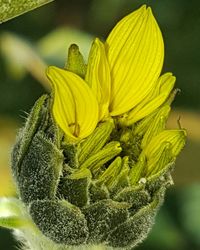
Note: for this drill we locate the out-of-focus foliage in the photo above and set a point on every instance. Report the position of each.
(7, 137)
(21, 57)
(42, 37)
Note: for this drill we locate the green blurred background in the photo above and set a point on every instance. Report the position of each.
(30, 42)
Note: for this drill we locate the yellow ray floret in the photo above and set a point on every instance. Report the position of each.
(135, 53)
(157, 96)
(98, 76)
(75, 107)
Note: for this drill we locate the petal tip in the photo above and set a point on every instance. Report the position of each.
(50, 70)
(149, 10)
(143, 8)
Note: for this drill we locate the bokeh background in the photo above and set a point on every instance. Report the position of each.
(30, 42)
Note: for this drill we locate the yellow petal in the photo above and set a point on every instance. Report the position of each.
(75, 108)
(135, 53)
(155, 99)
(98, 76)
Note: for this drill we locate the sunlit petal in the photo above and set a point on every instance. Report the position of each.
(135, 54)
(155, 99)
(98, 76)
(75, 108)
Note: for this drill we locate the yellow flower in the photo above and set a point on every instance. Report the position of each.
(118, 154)
(122, 78)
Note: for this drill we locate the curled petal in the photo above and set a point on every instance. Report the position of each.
(98, 76)
(135, 53)
(75, 108)
(155, 99)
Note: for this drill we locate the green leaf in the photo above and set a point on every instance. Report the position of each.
(13, 8)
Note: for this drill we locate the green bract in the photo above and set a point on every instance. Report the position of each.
(83, 194)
